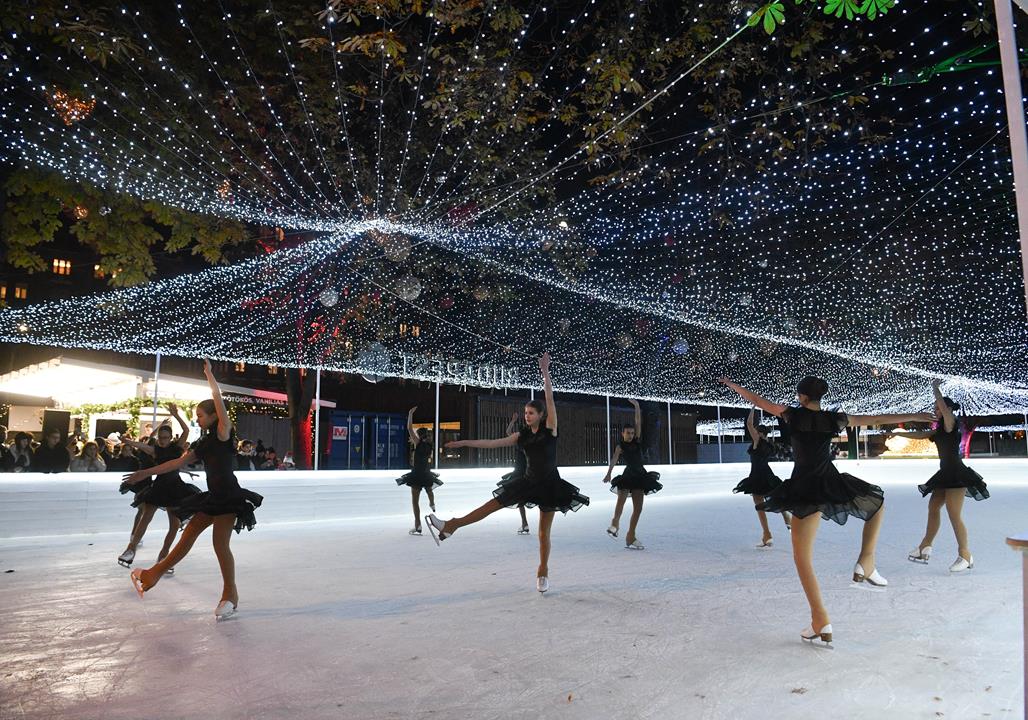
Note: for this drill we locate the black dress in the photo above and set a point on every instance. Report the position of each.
(421, 476)
(816, 485)
(635, 476)
(953, 473)
(223, 495)
(541, 483)
(762, 479)
(167, 490)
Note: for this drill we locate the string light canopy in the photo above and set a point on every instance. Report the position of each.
(831, 223)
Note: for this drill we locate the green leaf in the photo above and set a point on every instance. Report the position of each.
(769, 23)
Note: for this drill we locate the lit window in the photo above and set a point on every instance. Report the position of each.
(240, 367)
(3, 292)
(415, 330)
(21, 292)
(272, 369)
(62, 267)
(98, 272)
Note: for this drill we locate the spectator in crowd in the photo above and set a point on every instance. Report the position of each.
(6, 458)
(21, 453)
(72, 446)
(287, 461)
(245, 456)
(270, 460)
(88, 459)
(124, 459)
(51, 456)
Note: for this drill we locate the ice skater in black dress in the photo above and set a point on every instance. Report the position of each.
(949, 486)
(163, 492)
(636, 481)
(518, 471)
(817, 489)
(420, 477)
(541, 485)
(224, 505)
(762, 479)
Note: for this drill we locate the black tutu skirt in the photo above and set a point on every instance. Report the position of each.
(647, 481)
(837, 496)
(165, 492)
(960, 476)
(550, 495)
(759, 483)
(426, 479)
(241, 504)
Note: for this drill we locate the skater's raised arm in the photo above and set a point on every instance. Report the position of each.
(948, 418)
(183, 439)
(497, 443)
(764, 404)
(410, 427)
(512, 424)
(224, 423)
(752, 429)
(638, 419)
(181, 461)
(551, 407)
(887, 419)
(613, 461)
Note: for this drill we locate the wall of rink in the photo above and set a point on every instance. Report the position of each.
(85, 503)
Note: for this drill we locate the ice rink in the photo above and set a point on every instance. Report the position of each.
(343, 615)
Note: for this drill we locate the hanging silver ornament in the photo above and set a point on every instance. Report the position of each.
(328, 297)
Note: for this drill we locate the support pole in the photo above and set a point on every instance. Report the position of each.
(720, 457)
(317, 419)
(156, 380)
(1020, 543)
(1015, 122)
(670, 441)
(1026, 447)
(607, 440)
(435, 428)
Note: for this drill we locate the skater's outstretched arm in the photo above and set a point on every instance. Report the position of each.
(764, 404)
(497, 443)
(912, 434)
(512, 424)
(410, 427)
(142, 447)
(948, 419)
(183, 438)
(613, 461)
(181, 461)
(638, 419)
(224, 423)
(752, 429)
(887, 419)
(551, 407)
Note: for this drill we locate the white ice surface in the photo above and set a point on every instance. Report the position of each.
(355, 619)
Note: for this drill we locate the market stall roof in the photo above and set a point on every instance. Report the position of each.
(70, 382)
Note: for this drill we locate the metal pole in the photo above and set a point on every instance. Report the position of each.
(607, 439)
(720, 458)
(435, 429)
(1026, 443)
(1015, 122)
(317, 419)
(867, 447)
(670, 442)
(156, 379)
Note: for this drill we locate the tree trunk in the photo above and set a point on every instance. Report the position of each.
(300, 386)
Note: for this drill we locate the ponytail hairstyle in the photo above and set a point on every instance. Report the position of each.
(422, 433)
(763, 430)
(209, 409)
(540, 408)
(813, 387)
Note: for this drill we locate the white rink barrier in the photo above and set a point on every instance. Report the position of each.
(34, 504)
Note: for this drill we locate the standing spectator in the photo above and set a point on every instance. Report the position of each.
(6, 458)
(245, 456)
(51, 456)
(21, 453)
(124, 459)
(287, 461)
(88, 460)
(270, 460)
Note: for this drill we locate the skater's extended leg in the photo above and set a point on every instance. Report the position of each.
(637, 508)
(196, 525)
